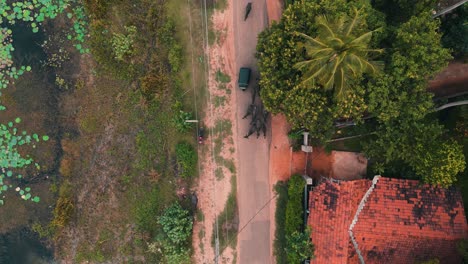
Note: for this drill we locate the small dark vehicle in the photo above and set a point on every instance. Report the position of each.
(244, 78)
(201, 132)
(248, 8)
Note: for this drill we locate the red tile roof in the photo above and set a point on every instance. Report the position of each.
(401, 221)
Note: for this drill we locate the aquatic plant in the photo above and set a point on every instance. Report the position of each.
(80, 28)
(10, 158)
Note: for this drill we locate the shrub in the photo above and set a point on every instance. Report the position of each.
(281, 189)
(176, 224)
(300, 246)
(181, 117)
(122, 44)
(294, 210)
(186, 159)
(63, 211)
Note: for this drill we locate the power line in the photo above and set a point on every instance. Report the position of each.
(250, 220)
(207, 73)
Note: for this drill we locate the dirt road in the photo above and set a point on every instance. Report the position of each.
(253, 179)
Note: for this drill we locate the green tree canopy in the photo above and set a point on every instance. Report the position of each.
(282, 83)
(337, 54)
(399, 101)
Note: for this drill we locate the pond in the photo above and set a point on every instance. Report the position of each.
(31, 98)
(22, 246)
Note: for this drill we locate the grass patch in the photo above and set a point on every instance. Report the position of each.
(228, 220)
(213, 35)
(186, 157)
(229, 164)
(200, 215)
(219, 173)
(222, 77)
(151, 204)
(223, 128)
(88, 252)
(89, 124)
(219, 101)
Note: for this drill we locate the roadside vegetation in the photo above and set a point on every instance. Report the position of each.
(356, 69)
(292, 242)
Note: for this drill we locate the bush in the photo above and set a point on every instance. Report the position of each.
(181, 117)
(123, 44)
(300, 246)
(63, 211)
(281, 189)
(176, 224)
(294, 209)
(186, 159)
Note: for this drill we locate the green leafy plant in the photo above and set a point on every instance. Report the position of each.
(279, 244)
(176, 224)
(181, 117)
(11, 159)
(123, 44)
(300, 246)
(294, 208)
(79, 29)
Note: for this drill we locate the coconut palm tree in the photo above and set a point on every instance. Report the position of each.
(337, 54)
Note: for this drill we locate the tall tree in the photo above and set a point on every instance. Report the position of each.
(338, 53)
(310, 106)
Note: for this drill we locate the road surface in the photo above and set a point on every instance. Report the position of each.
(253, 179)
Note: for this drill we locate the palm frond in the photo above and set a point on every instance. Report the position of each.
(340, 84)
(311, 39)
(352, 23)
(322, 22)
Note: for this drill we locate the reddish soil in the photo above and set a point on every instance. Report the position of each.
(213, 192)
(283, 162)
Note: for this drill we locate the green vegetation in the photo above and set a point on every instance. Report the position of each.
(176, 224)
(292, 242)
(174, 240)
(221, 77)
(186, 159)
(181, 117)
(338, 53)
(455, 31)
(123, 43)
(299, 71)
(300, 246)
(462, 248)
(11, 159)
(294, 208)
(279, 244)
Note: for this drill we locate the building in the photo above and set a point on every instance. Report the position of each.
(385, 221)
